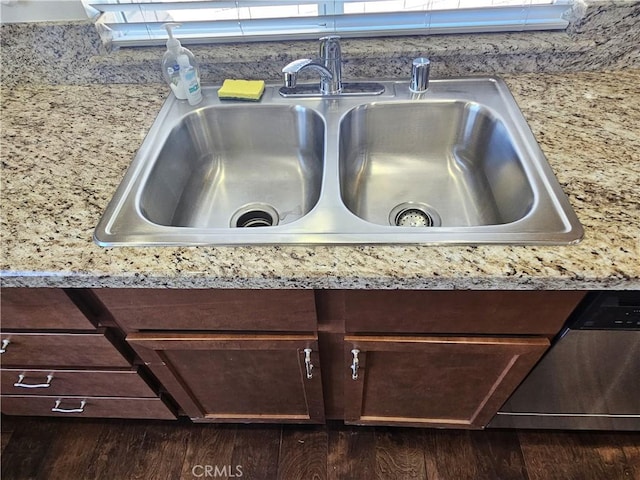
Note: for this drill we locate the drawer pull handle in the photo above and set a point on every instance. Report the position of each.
(307, 362)
(5, 344)
(355, 364)
(33, 385)
(56, 408)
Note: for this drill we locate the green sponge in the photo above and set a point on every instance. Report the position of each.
(250, 90)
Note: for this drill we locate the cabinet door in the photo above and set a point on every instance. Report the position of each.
(457, 382)
(237, 377)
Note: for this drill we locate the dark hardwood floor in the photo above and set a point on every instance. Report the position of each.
(52, 448)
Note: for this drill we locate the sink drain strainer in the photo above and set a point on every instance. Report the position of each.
(255, 215)
(412, 214)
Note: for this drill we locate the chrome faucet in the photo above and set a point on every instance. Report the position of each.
(328, 65)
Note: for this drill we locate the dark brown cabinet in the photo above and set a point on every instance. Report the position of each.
(211, 310)
(41, 308)
(228, 355)
(455, 312)
(85, 406)
(62, 349)
(432, 358)
(457, 382)
(413, 358)
(76, 382)
(238, 377)
(57, 361)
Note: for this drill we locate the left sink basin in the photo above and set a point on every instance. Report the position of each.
(234, 166)
(218, 168)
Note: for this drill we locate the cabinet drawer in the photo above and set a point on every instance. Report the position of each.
(40, 308)
(94, 383)
(164, 309)
(103, 407)
(60, 349)
(452, 312)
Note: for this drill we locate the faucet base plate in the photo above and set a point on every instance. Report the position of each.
(348, 89)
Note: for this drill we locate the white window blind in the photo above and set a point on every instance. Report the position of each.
(139, 22)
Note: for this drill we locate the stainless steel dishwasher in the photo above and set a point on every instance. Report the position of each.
(590, 377)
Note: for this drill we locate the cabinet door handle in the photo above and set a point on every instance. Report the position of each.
(56, 408)
(33, 385)
(355, 364)
(307, 362)
(5, 344)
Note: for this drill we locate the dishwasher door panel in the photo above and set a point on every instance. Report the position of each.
(589, 380)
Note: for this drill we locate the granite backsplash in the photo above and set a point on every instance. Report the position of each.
(602, 34)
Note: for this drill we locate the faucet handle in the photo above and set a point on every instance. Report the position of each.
(330, 47)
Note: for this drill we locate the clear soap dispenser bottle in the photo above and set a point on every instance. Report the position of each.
(171, 64)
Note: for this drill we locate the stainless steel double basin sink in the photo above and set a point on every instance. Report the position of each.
(455, 165)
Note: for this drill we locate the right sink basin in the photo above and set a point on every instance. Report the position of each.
(441, 164)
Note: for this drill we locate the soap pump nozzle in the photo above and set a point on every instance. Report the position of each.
(173, 43)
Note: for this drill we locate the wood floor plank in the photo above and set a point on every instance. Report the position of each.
(352, 454)
(473, 455)
(8, 422)
(449, 454)
(119, 446)
(630, 444)
(141, 450)
(256, 451)
(6, 429)
(25, 453)
(6, 436)
(572, 456)
(498, 455)
(303, 453)
(71, 450)
(162, 452)
(209, 446)
(399, 454)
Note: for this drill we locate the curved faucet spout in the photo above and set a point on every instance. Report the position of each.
(328, 65)
(292, 69)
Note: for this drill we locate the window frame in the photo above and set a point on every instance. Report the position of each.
(116, 29)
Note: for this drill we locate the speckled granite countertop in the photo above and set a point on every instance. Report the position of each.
(64, 150)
